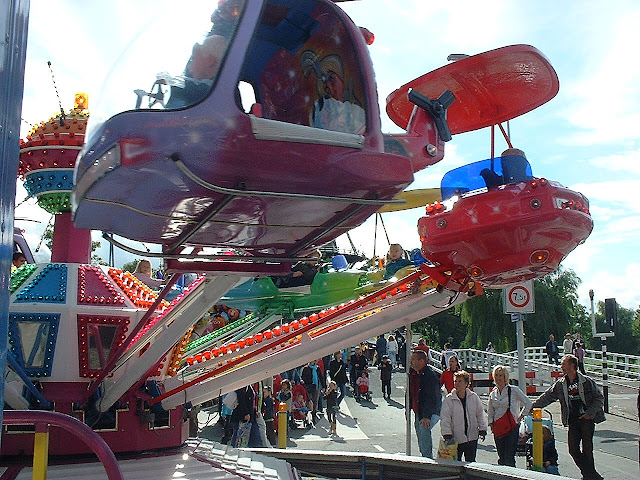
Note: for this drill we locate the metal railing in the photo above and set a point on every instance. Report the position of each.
(621, 366)
(618, 364)
(43, 420)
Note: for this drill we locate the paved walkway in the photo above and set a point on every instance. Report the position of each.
(379, 426)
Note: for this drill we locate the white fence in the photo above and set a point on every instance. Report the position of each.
(618, 364)
(539, 371)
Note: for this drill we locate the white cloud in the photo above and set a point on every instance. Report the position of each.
(602, 99)
(589, 43)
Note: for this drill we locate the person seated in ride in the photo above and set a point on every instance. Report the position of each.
(18, 260)
(336, 107)
(395, 260)
(302, 273)
(206, 57)
(514, 169)
(491, 178)
(143, 273)
(514, 165)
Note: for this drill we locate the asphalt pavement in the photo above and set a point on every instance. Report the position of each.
(380, 426)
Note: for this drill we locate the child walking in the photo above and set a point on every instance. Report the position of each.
(331, 397)
(386, 369)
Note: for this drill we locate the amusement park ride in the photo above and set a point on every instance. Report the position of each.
(268, 180)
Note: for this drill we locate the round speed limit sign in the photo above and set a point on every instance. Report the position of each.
(519, 298)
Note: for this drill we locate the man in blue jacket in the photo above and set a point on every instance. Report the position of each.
(425, 400)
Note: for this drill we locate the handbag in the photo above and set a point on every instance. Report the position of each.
(447, 451)
(503, 425)
(242, 437)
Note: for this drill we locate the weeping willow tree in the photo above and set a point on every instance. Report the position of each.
(557, 312)
(485, 322)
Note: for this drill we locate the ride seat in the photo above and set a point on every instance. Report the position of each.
(514, 169)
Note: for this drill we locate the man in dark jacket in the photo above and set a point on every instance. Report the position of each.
(581, 407)
(358, 364)
(313, 382)
(245, 411)
(338, 373)
(552, 350)
(425, 400)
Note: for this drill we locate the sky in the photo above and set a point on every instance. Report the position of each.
(587, 137)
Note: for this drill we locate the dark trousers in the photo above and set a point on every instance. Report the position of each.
(386, 388)
(342, 388)
(331, 413)
(582, 431)
(271, 433)
(469, 450)
(506, 447)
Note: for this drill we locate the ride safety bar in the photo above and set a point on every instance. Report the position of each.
(42, 421)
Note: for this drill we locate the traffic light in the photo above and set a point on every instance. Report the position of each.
(610, 313)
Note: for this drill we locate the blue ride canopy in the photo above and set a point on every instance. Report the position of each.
(488, 173)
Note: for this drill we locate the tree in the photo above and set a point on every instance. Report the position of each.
(130, 266)
(96, 259)
(485, 322)
(627, 338)
(441, 328)
(557, 312)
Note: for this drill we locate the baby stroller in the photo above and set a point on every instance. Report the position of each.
(301, 415)
(525, 440)
(363, 393)
(362, 389)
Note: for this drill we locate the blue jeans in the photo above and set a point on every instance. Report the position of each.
(552, 469)
(506, 447)
(425, 441)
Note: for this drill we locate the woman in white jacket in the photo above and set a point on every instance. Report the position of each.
(462, 418)
(392, 349)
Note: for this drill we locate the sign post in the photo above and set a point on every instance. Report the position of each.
(610, 313)
(518, 300)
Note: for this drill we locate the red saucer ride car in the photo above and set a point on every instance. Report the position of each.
(497, 224)
(518, 228)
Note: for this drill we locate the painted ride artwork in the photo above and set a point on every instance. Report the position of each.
(265, 145)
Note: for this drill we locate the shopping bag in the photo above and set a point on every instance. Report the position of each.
(503, 425)
(244, 431)
(230, 400)
(447, 451)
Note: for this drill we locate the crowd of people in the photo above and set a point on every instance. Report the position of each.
(320, 386)
(310, 391)
(570, 346)
(464, 421)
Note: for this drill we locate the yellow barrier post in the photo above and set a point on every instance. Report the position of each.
(41, 452)
(282, 425)
(537, 439)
